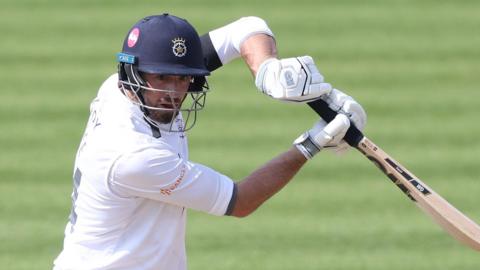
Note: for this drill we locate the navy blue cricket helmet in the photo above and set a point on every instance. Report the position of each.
(168, 45)
(164, 44)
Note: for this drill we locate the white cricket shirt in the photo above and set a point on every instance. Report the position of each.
(131, 191)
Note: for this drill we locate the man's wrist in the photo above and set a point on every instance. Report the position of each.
(261, 73)
(306, 146)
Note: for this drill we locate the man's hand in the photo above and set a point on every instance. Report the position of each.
(291, 79)
(322, 135)
(345, 104)
(298, 80)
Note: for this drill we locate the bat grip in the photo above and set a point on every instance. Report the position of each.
(353, 135)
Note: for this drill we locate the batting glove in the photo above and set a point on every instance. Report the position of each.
(322, 135)
(291, 79)
(345, 104)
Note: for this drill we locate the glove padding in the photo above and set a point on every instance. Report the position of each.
(322, 135)
(337, 145)
(344, 104)
(291, 79)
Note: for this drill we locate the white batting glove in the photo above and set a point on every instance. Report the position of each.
(322, 135)
(344, 104)
(291, 79)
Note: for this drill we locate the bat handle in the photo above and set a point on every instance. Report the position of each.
(353, 135)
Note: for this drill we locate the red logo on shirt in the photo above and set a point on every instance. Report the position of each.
(168, 191)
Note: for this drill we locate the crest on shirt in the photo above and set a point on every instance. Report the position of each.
(179, 48)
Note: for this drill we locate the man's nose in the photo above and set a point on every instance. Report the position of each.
(175, 97)
(173, 83)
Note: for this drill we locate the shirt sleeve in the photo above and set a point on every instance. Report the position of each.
(227, 39)
(162, 175)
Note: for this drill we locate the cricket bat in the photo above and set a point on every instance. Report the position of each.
(454, 222)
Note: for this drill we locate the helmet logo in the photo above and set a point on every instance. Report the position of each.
(133, 37)
(179, 49)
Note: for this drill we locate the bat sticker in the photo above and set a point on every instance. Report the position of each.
(407, 177)
(391, 177)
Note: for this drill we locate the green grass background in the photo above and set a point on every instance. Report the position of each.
(413, 64)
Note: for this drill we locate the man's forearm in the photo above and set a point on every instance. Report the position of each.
(264, 182)
(256, 49)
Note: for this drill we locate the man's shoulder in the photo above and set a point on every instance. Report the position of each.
(133, 148)
(144, 165)
(111, 81)
(131, 140)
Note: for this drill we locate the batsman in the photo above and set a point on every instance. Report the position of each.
(133, 178)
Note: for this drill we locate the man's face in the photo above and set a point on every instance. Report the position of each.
(171, 100)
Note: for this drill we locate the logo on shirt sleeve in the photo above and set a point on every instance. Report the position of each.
(168, 191)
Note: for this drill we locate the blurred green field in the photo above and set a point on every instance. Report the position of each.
(414, 65)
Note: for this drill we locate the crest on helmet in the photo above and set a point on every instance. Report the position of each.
(179, 49)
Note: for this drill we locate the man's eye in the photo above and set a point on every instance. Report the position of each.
(185, 78)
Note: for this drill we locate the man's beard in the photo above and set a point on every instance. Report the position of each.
(162, 117)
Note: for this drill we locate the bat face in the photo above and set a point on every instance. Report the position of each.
(447, 216)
